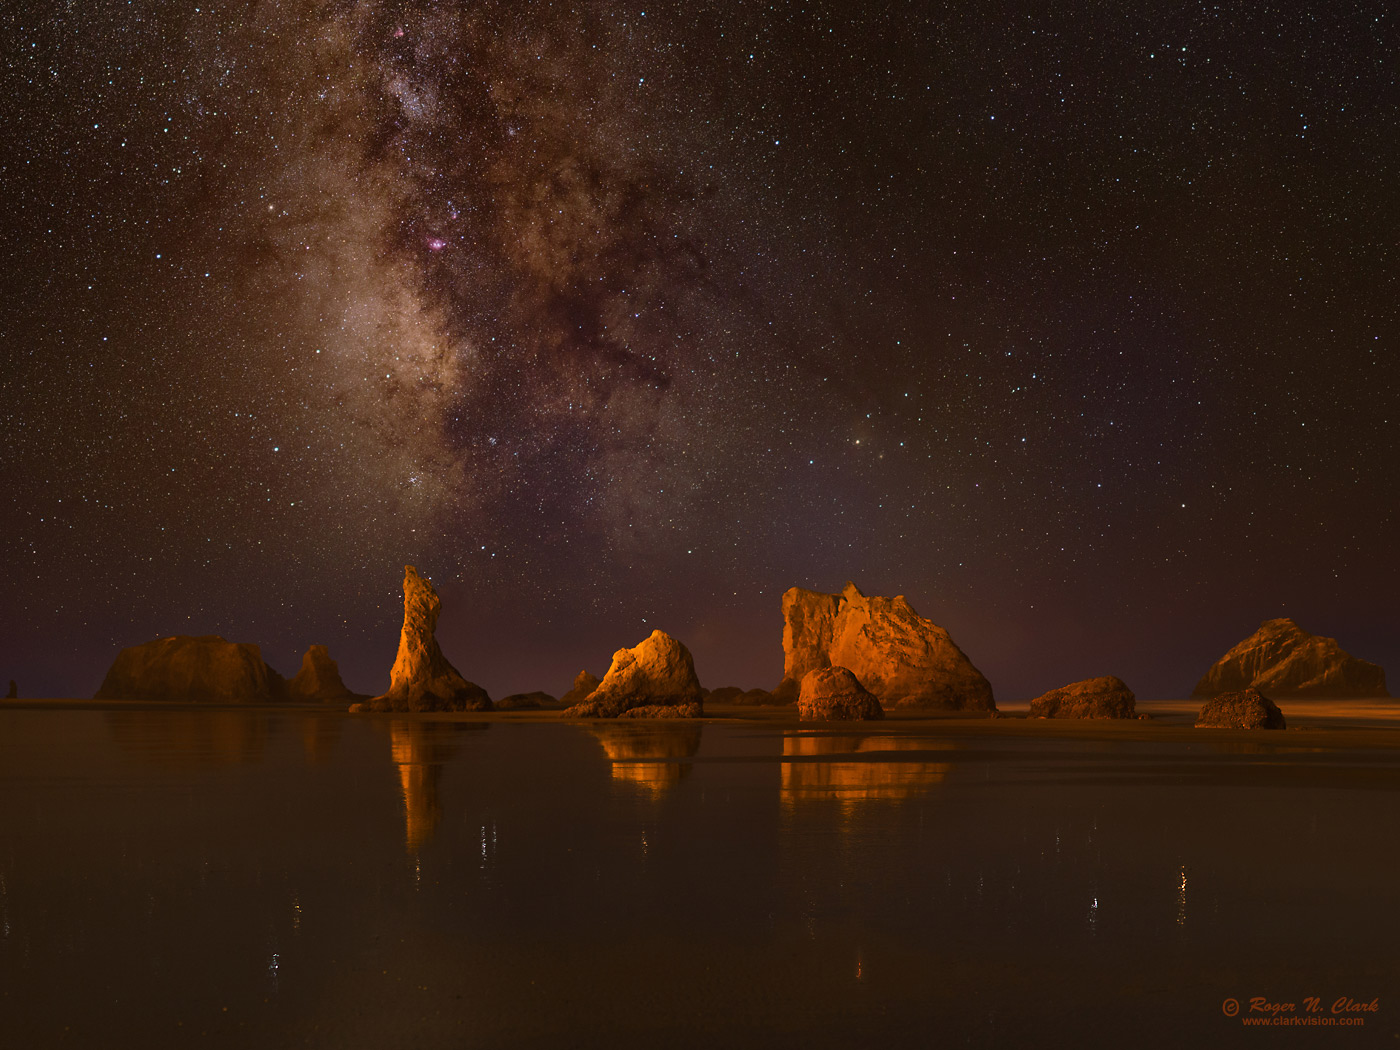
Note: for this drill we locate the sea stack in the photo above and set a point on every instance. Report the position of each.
(1105, 697)
(422, 679)
(654, 679)
(1282, 659)
(584, 683)
(13, 694)
(184, 668)
(896, 654)
(319, 678)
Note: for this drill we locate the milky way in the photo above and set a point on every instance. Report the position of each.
(1076, 329)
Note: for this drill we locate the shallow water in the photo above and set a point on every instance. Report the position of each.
(175, 877)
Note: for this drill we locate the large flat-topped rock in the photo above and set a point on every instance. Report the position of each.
(186, 668)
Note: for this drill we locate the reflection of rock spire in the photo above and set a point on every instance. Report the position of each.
(419, 750)
(421, 804)
(628, 747)
(860, 780)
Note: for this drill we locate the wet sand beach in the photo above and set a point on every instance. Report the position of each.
(190, 876)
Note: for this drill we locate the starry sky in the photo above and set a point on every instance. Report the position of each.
(1075, 324)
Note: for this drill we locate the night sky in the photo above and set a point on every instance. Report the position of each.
(1075, 324)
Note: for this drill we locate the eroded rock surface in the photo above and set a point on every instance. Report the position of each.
(1242, 709)
(834, 694)
(900, 657)
(422, 678)
(185, 668)
(1285, 660)
(1105, 697)
(653, 679)
(318, 679)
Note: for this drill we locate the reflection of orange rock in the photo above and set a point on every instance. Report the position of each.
(319, 734)
(858, 780)
(178, 739)
(629, 746)
(419, 750)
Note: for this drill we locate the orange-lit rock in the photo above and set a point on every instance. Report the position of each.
(656, 677)
(1286, 660)
(1243, 709)
(422, 678)
(186, 668)
(813, 770)
(833, 694)
(904, 659)
(584, 683)
(1105, 697)
(646, 755)
(318, 679)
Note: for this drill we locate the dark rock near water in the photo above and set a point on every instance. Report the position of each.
(13, 694)
(525, 702)
(732, 694)
(422, 678)
(834, 694)
(184, 668)
(655, 678)
(584, 683)
(1243, 709)
(1105, 697)
(319, 679)
(896, 654)
(1286, 660)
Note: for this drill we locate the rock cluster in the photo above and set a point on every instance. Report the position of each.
(422, 678)
(834, 694)
(900, 657)
(1243, 709)
(655, 679)
(1106, 697)
(184, 668)
(1286, 660)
